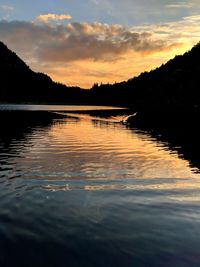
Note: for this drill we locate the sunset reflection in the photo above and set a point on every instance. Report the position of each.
(116, 153)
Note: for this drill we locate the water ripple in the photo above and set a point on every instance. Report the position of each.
(72, 190)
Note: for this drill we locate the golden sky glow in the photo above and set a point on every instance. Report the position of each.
(85, 73)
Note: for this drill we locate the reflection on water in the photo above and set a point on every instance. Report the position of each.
(87, 191)
(183, 140)
(19, 107)
(85, 148)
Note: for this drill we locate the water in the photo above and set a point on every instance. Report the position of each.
(54, 107)
(83, 190)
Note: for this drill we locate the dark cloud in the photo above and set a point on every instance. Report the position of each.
(76, 41)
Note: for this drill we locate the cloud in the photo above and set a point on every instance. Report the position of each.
(78, 41)
(180, 5)
(6, 8)
(45, 18)
(194, 18)
(185, 30)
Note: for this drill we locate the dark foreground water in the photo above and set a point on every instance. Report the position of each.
(87, 191)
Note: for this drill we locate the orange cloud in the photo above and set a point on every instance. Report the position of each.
(45, 18)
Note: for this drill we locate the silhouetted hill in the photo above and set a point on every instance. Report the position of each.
(19, 83)
(173, 86)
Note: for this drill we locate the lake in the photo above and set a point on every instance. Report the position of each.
(78, 188)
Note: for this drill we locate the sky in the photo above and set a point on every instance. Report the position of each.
(80, 43)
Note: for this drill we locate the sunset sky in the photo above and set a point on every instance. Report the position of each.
(81, 42)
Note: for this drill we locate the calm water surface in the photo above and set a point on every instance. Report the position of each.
(87, 191)
(54, 107)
